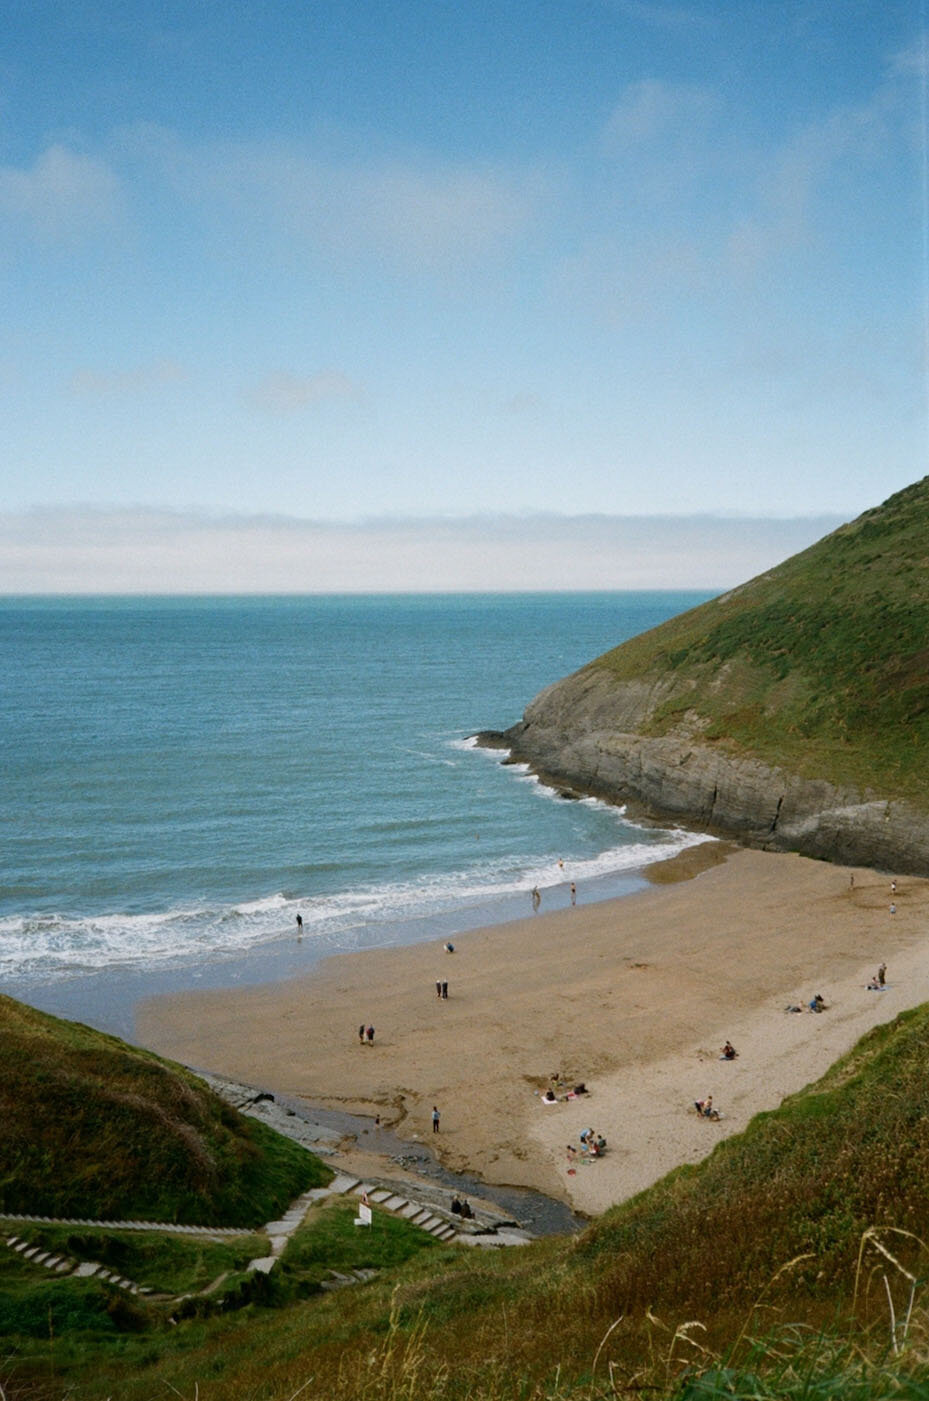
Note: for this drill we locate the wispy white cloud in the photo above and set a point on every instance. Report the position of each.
(793, 177)
(524, 402)
(914, 58)
(119, 383)
(414, 210)
(64, 196)
(286, 393)
(653, 109)
(666, 143)
(152, 551)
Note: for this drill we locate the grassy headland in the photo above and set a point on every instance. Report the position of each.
(96, 1129)
(820, 665)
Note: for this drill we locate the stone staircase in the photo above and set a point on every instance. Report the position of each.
(443, 1225)
(77, 1269)
(424, 1217)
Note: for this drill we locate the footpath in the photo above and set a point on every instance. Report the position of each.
(423, 1211)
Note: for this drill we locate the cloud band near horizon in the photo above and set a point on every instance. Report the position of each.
(151, 551)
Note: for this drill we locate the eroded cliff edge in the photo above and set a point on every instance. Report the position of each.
(566, 739)
(790, 714)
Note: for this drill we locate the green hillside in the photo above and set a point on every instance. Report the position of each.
(770, 1270)
(820, 666)
(94, 1128)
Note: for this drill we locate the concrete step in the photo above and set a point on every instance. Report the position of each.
(342, 1183)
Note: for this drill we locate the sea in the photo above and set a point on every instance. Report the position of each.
(181, 777)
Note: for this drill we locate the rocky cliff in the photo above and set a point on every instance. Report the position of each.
(790, 714)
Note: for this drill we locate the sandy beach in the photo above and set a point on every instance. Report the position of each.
(633, 997)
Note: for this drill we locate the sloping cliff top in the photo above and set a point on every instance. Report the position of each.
(808, 684)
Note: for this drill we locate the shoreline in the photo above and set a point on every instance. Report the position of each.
(632, 996)
(106, 997)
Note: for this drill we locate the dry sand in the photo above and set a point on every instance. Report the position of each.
(633, 996)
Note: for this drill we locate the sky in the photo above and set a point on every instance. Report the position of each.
(308, 294)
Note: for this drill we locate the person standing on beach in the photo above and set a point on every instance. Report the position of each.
(299, 924)
(438, 988)
(573, 890)
(370, 1035)
(435, 1119)
(882, 974)
(361, 1034)
(445, 991)
(536, 899)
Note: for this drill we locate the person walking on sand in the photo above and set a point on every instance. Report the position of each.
(438, 988)
(445, 991)
(435, 1119)
(536, 899)
(361, 1034)
(370, 1034)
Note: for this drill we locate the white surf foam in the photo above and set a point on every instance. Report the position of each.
(49, 947)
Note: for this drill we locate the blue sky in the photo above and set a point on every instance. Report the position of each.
(393, 272)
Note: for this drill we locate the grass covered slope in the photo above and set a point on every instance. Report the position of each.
(804, 1183)
(820, 665)
(763, 1239)
(95, 1128)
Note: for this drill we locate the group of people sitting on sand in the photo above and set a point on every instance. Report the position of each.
(704, 1107)
(816, 1004)
(551, 1095)
(462, 1209)
(879, 982)
(593, 1145)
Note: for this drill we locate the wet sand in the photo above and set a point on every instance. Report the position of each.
(634, 997)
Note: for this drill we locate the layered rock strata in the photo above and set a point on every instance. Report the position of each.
(588, 734)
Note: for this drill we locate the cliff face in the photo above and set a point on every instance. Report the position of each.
(791, 713)
(569, 737)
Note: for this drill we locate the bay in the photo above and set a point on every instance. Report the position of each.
(182, 776)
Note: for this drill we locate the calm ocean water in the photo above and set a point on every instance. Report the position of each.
(181, 777)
